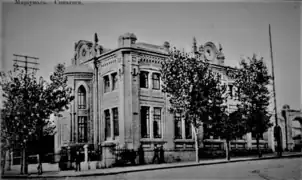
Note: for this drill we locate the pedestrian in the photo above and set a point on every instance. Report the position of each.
(78, 161)
(141, 155)
(162, 154)
(156, 154)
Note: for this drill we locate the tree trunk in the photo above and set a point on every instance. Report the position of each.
(3, 161)
(9, 160)
(227, 150)
(40, 169)
(22, 160)
(40, 160)
(258, 148)
(196, 144)
(24, 166)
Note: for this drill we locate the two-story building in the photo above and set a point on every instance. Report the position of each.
(118, 98)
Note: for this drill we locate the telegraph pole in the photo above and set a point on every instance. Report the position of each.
(273, 76)
(27, 63)
(277, 128)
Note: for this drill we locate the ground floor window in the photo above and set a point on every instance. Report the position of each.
(254, 137)
(182, 128)
(145, 122)
(188, 130)
(177, 126)
(82, 129)
(115, 121)
(107, 124)
(157, 123)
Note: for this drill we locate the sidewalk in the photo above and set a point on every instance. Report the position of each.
(51, 170)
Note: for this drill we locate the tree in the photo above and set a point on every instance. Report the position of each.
(252, 81)
(191, 84)
(28, 104)
(229, 127)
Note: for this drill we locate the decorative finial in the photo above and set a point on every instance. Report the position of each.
(220, 47)
(96, 40)
(194, 47)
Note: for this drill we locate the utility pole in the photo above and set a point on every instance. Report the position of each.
(277, 128)
(27, 63)
(273, 76)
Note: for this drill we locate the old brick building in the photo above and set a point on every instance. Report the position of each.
(118, 98)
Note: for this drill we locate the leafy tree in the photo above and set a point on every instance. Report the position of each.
(191, 85)
(252, 81)
(28, 104)
(229, 127)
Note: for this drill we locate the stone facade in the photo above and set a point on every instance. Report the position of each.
(118, 97)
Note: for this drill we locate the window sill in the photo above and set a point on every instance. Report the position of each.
(260, 141)
(152, 140)
(109, 143)
(183, 140)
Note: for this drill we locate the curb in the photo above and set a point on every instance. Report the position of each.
(146, 169)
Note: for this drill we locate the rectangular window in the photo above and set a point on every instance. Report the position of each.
(145, 122)
(106, 84)
(156, 81)
(107, 124)
(178, 126)
(231, 91)
(188, 130)
(115, 122)
(157, 123)
(82, 129)
(114, 81)
(143, 81)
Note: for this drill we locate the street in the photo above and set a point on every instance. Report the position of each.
(276, 169)
(279, 169)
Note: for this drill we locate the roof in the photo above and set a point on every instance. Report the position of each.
(150, 47)
(78, 69)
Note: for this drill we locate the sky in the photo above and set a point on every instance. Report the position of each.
(50, 31)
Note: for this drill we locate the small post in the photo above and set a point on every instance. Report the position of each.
(86, 152)
(11, 160)
(69, 157)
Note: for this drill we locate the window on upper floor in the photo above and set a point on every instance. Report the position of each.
(156, 81)
(114, 81)
(81, 97)
(143, 81)
(82, 129)
(106, 84)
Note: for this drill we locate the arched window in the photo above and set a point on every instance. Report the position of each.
(81, 98)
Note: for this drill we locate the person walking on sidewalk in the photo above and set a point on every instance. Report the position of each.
(78, 161)
(156, 154)
(162, 154)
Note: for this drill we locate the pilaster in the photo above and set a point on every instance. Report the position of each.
(122, 116)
